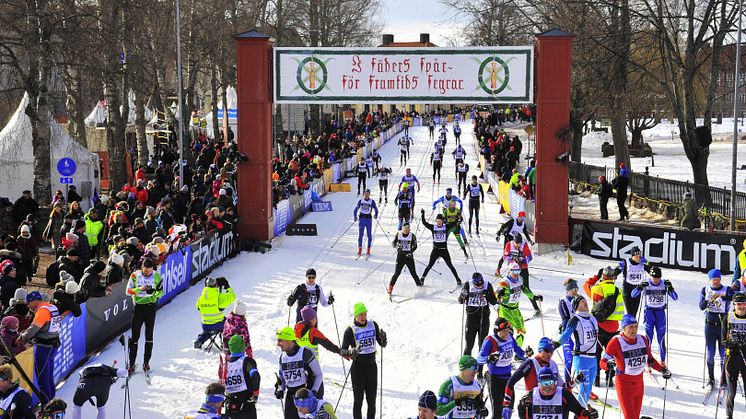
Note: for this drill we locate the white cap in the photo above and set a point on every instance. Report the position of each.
(239, 308)
(222, 191)
(25, 229)
(116, 259)
(20, 294)
(72, 287)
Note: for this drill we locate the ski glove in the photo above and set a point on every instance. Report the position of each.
(382, 335)
(539, 297)
(352, 352)
(466, 403)
(610, 364)
(669, 286)
(330, 299)
(666, 373)
(482, 412)
(493, 357)
(354, 219)
(291, 300)
(580, 377)
(642, 285)
(529, 352)
(589, 413)
(279, 393)
(461, 299)
(507, 413)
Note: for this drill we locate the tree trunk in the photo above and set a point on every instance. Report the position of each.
(621, 26)
(636, 138)
(75, 112)
(576, 146)
(41, 135)
(142, 139)
(619, 131)
(214, 101)
(114, 133)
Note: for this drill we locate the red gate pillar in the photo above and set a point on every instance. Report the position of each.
(553, 74)
(254, 91)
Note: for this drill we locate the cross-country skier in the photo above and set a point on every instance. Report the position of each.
(308, 406)
(566, 311)
(734, 339)
(213, 405)
(457, 133)
(714, 300)
(443, 131)
(44, 332)
(440, 233)
(583, 328)
(656, 309)
(405, 244)
(436, 160)
(383, 183)
(364, 335)
(478, 295)
(146, 288)
(299, 368)
(513, 227)
(549, 400)
(14, 400)
(454, 217)
(509, 294)
(518, 252)
(362, 175)
(426, 406)
(403, 149)
(633, 270)
(410, 179)
(462, 170)
(529, 372)
(404, 201)
(214, 299)
(475, 192)
(459, 153)
(368, 208)
(461, 396)
(242, 381)
(431, 128)
(95, 382)
(309, 293)
(446, 199)
(608, 308)
(498, 351)
(308, 334)
(369, 165)
(376, 159)
(630, 354)
(740, 267)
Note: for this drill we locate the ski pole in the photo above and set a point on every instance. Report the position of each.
(536, 277)
(339, 341)
(541, 317)
(378, 223)
(558, 271)
(375, 269)
(344, 385)
(282, 404)
(381, 391)
(342, 235)
(603, 412)
(463, 313)
(289, 309)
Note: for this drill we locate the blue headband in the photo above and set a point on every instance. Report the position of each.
(215, 398)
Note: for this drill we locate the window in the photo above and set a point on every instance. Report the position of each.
(728, 76)
(742, 97)
(729, 97)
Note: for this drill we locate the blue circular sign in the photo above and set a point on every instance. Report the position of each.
(66, 166)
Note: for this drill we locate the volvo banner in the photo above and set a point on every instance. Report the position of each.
(670, 248)
(404, 75)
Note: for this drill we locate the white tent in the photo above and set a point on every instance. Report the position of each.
(17, 158)
(232, 99)
(97, 115)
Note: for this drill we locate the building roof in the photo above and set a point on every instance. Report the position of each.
(409, 45)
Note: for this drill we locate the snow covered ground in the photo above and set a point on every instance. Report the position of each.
(670, 161)
(424, 333)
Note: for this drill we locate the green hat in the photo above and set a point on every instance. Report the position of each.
(358, 309)
(236, 344)
(466, 361)
(286, 333)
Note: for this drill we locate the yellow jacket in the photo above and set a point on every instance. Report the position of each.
(212, 302)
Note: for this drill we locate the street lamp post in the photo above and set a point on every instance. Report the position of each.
(736, 103)
(180, 82)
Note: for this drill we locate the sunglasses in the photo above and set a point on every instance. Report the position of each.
(311, 277)
(547, 382)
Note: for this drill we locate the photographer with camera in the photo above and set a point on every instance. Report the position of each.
(145, 287)
(214, 299)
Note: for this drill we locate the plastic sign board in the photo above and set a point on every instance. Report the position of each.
(322, 206)
(66, 180)
(66, 167)
(404, 75)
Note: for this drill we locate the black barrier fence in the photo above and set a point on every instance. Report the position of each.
(666, 247)
(716, 200)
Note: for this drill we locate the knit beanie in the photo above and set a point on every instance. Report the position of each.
(428, 400)
(239, 308)
(20, 294)
(307, 313)
(236, 344)
(116, 259)
(9, 322)
(7, 268)
(72, 287)
(358, 309)
(628, 320)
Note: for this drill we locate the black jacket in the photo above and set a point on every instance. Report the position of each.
(8, 287)
(64, 302)
(605, 192)
(91, 285)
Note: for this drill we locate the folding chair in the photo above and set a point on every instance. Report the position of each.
(215, 340)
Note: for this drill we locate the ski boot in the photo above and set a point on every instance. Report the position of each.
(359, 251)
(368, 252)
(390, 289)
(146, 366)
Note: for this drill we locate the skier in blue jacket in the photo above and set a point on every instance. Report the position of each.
(655, 294)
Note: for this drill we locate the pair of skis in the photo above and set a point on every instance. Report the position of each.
(147, 377)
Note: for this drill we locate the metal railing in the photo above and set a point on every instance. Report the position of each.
(716, 200)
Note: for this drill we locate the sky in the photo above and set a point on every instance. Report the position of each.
(407, 19)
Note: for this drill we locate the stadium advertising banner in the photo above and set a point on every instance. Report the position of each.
(404, 75)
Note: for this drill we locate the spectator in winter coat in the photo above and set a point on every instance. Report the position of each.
(235, 324)
(83, 247)
(19, 309)
(72, 195)
(8, 283)
(9, 334)
(71, 264)
(604, 193)
(141, 194)
(24, 206)
(29, 250)
(52, 231)
(91, 285)
(621, 184)
(115, 269)
(93, 228)
(689, 218)
(66, 297)
(74, 209)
